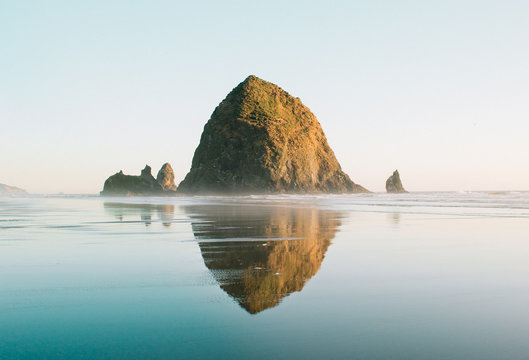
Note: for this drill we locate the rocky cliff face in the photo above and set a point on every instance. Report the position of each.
(165, 178)
(394, 184)
(260, 139)
(120, 184)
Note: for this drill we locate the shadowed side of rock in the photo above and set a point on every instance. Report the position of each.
(120, 184)
(394, 184)
(260, 139)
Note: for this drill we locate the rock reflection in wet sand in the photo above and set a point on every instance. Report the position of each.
(121, 211)
(260, 254)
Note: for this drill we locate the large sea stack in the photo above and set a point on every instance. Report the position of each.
(394, 184)
(260, 139)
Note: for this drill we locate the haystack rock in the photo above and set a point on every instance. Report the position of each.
(165, 178)
(393, 184)
(120, 184)
(260, 139)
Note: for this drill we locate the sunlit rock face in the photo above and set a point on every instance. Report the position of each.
(260, 139)
(258, 254)
(165, 178)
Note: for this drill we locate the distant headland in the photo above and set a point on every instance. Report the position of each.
(6, 190)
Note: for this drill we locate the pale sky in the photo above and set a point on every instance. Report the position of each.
(436, 89)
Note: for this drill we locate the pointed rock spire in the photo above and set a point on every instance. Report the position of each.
(147, 172)
(165, 177)
(394, 184)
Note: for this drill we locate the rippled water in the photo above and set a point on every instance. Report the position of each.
(377, 276)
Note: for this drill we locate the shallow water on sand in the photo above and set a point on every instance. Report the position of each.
(377, 276)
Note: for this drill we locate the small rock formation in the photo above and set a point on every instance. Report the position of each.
(120, 184)
(393, 184)
(260, 139)
(165, 178)
(6, 190)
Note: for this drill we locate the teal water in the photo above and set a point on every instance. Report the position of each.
(416, 276)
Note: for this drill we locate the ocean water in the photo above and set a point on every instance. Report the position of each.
(376, 276)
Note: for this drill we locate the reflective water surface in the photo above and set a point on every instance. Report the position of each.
(415, 276)
(260, 254)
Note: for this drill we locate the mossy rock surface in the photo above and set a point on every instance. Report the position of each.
(260, 139)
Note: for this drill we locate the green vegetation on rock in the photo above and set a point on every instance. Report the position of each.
(260, 139)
